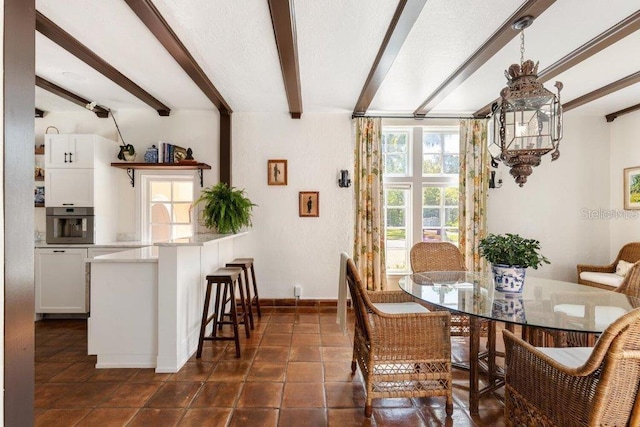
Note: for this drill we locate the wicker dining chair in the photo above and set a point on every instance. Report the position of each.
(630, 287)
(629, 252)
(405, 354)
(575, 386)
(441, 256)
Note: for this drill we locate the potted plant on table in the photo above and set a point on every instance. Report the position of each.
(226, 208)
(510, 255)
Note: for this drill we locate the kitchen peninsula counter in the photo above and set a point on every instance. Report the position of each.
(146, 303)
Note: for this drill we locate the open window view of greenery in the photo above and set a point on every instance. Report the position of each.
(431, 193)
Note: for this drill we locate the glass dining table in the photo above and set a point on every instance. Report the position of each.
(549, 304)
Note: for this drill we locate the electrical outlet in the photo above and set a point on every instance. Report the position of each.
(297, 291)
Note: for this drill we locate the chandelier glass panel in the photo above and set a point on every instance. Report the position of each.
(527, 120)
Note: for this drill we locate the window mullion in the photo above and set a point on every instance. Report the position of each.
(416, 211)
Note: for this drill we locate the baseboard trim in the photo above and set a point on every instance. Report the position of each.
(292, 302)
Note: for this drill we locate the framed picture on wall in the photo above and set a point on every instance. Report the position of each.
(277, 170)
(632, 188)
(309, 203)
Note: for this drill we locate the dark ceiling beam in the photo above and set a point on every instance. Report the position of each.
(283, 20)
(493, 45)
(49, 29)
(611, 117)
(39, 113)
(603, 91)
(603, 40)
(404, 18)
(101, 112)
(151, 17)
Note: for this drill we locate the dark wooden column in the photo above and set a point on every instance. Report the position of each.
(225, 147)
(19, 104)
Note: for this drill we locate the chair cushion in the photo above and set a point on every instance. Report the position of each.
(572, 357)
(623, 268)
(605, 315)
(611, 279)
(400, 307)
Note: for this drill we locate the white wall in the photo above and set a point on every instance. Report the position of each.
(142, 128)
(625, 153)
(290, 250)
(554, 205)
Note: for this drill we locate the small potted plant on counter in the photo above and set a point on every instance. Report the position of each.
(226, 209)
(510, 255)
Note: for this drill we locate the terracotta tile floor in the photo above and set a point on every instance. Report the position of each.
(294, 371)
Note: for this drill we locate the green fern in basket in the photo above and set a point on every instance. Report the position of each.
(226, 209)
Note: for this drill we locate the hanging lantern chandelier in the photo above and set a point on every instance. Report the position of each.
(527, 120)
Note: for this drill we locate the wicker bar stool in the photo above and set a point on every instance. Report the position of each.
(225, 280)
(247, 264)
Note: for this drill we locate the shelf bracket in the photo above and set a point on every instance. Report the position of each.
(200, 173)
(132, 176)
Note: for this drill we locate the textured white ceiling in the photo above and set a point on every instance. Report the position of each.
(445, 35)
(565, 26)
(114, 32)
(337, 43)
(233, 42)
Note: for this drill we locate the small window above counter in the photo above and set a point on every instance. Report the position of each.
(131, 168)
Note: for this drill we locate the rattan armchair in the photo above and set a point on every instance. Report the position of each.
(400, 355)
(631, 283)
(436, 256)
(441, 256)
(566, 302)
(629, 252)
(599, 386)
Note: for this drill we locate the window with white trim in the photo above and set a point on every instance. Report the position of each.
(420, 189)
(166, 207)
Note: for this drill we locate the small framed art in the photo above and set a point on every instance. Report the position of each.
(309, 203)
(632, 188)
(277, 170)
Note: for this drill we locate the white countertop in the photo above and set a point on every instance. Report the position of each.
(145, 254)
(200, 239)
(116, 244)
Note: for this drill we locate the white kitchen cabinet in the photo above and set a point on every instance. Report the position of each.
(61, 285)
(69, 151)
(69, 187)
(87, 181)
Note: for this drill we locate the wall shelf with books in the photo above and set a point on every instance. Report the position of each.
(39, 177)
(131, 168)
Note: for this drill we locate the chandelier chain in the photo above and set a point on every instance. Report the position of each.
(521, 47)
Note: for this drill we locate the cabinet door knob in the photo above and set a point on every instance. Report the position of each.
(65, 157)
(70, 158)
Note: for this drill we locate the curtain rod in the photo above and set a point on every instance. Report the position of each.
(383, 116)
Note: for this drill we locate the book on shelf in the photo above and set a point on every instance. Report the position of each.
(173, 153)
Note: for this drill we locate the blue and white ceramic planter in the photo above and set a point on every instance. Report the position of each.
(508, 309)
(508, 278)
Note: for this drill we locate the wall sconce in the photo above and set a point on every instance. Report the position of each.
(343, 180)
(493, 183)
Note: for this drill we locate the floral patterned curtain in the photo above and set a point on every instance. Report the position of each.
(368, 248)
(474, 185)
